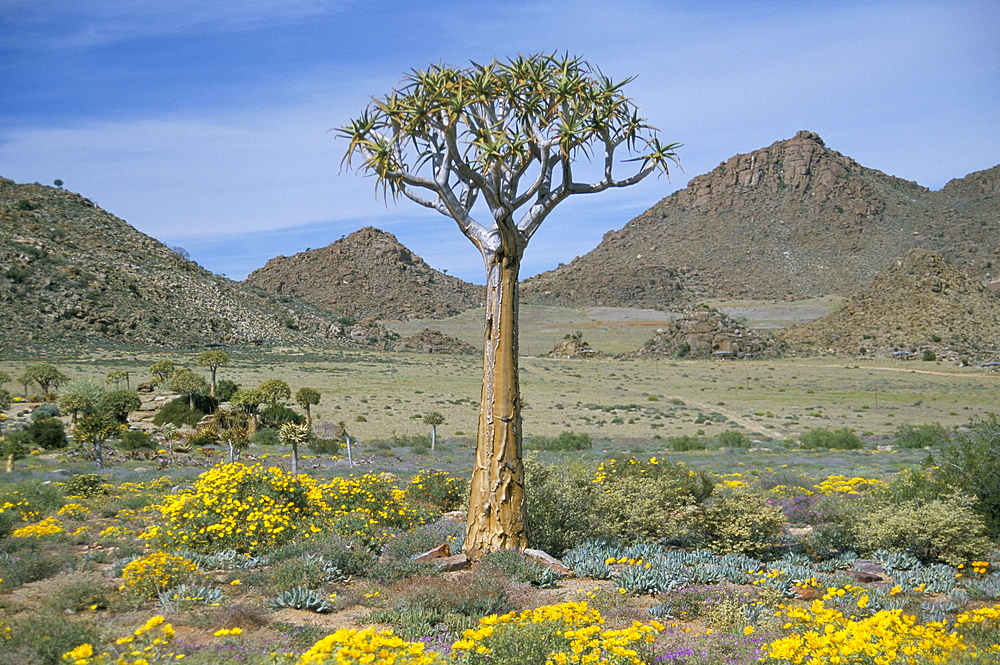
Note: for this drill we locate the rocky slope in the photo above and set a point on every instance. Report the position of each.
(920, 303)
(368, 274)
(71, 273)
(794, 219)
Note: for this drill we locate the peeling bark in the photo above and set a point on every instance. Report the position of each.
(497, 519)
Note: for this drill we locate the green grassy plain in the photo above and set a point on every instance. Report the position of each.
(628, 407)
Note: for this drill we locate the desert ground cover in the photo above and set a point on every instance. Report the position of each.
(702, 511)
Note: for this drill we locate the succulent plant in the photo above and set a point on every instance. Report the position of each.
(300, 598)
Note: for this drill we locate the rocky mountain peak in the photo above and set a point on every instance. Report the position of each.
(794, 219)
(368, 273)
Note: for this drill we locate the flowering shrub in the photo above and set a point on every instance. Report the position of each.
(251, 509)
(366, 646)
(437, 489)
(553, 635)
(638, 500)
(824, 634)
(146, 646)
(737, 521)
(151, 574)
(845, 485)
(74, 511)
(46, 527)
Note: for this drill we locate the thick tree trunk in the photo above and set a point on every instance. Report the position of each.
(497, 518)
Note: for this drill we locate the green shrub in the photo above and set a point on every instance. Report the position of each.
(643, 501)
(267, 436)
(734, 439)
(318, 446)
(971, 463)
(736, 521)
(566, 441)
(685, 443)
(45, 432)
(560, 507)
(86, 485)
(928, 356)
(438, 490)
(225, 389)
(840, 439)
(41, 638)
(947, 530)
(275, 415)
(119, 403)
(179, 412)
(921, 436)
(135, 439)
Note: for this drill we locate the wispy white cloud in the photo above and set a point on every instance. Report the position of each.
(73, 24)
(910, 88)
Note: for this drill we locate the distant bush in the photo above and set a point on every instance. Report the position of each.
(267, 436)
(734, 439)
(119, 403)
(921, 436)
(225, 389)
(318, 446)
(50, 410)
(840, 439)
(275, 415)
(45, 432)
(639, 501)
(928, 356)
(685, 443)
(179, 412)
(561, 509)
(946, 530)
(136, 440)
(566, 441)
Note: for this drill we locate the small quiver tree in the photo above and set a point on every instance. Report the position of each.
(434, 419)
(505, 135)
(307, 398)
(294, 434)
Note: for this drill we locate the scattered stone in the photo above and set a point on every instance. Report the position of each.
(452, 563)
(442, 551)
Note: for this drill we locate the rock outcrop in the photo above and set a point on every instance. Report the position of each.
(435, 341)
(703, 332)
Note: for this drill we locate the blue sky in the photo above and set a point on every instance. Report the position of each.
(205, 123)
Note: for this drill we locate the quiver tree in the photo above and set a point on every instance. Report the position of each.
(434, 419)
(294, 434)
(213, 360)
(504, 135)
(161, 371)
(307, 398)
(45, 375)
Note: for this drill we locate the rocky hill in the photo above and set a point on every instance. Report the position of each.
(794, 219)
(920, 303)
(368, 274)
(71, 273)
(703, 332)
